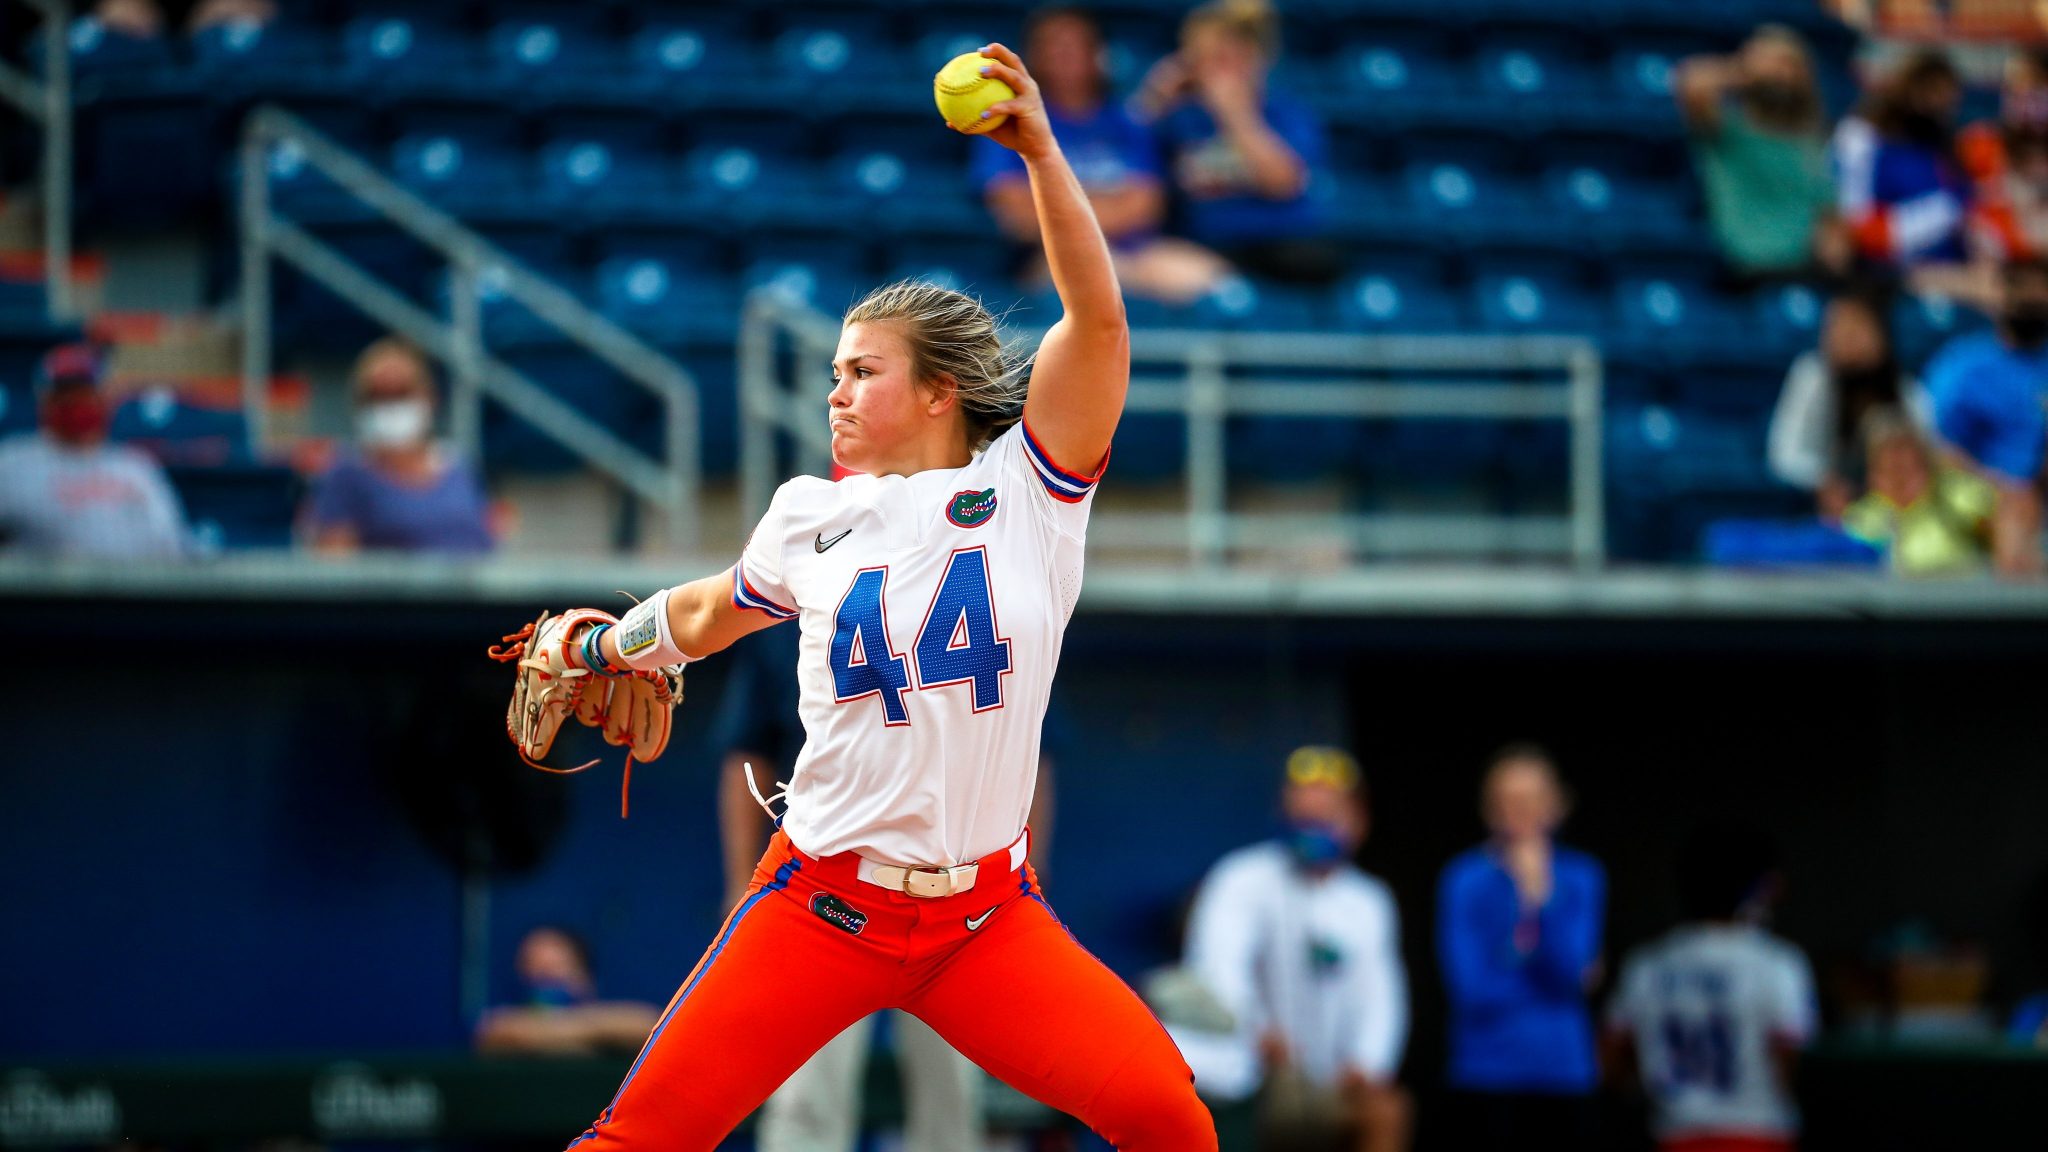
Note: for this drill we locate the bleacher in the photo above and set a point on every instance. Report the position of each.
(1496, 165)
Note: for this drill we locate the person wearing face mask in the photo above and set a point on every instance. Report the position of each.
(1989, 391)
(2007, 160)
(1758, 135)
(66, 491)
(560, 1013)
(398, 490)
(1712, 1016)
(1899, 186)
(1814, 436)
(1301, 949)
(1519, 924)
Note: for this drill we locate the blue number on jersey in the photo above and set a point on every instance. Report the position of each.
(958, 641)
(1699, 1053)
(859, 627)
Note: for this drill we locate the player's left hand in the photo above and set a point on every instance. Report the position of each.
(1026, 132)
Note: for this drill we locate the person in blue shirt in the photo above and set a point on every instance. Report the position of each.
(1116, 158)
(1990, 396)
(1518, 936)
(1243, 153)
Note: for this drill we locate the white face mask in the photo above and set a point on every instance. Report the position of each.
(394, 423)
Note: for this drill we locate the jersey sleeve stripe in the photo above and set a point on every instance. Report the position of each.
(744, 596)
(1058, 479)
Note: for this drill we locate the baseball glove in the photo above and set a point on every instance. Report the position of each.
(633, 709)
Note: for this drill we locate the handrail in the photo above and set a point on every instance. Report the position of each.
(48, 102)
(1210, 376)
(458, 340)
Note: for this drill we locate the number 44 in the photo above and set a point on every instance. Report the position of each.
(957, 644)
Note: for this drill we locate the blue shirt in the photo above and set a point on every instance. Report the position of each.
(448, 515)
(1106, 148)
(1221, 206)
(1988, 401)
(1516, 980)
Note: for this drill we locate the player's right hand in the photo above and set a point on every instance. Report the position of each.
(1026, 132)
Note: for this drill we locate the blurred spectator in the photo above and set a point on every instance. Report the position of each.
(1242, 153)
(399, 490)
(560, 1014)
(1519, 921)
(65, 491)
(2030, 1022)
(2007, 160)
(1116, 159)
(1815, 431)
(1759, 140)
(1988, 390)
(1302, 951)
(1901, 191)
(1715, 1012)
(208, 13)
(1932, 518)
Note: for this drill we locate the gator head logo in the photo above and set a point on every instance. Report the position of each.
(838, 913)
(972, 509)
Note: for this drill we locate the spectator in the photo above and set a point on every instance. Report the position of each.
(1759, 140)
(1932, 518)
(1302, 951)
(136, 19)
(1988, 390)
(1900, 189)
(65, 491)
(561, 1014)
(1243, 154)
(1518, 934)
(818, 1108)
(1715, 1012)
(1116, 159)
(400, 490)
(1814, 437)
(2007, 160)
(208, 13)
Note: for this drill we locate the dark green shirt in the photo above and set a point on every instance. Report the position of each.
(1765, 190)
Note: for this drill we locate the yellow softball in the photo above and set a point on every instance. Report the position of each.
(963, 93)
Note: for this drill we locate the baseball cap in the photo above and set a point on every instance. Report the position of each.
(1323, 764)
(78, 363)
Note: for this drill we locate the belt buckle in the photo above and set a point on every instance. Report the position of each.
(942, 882)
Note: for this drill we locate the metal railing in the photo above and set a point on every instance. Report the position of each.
(1208, 377)
(458, 340)
(48, 102)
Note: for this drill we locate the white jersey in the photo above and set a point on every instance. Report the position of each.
(1315, 958)
(932, 608)
(1705, 1004)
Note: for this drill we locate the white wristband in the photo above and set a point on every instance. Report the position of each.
(644, 640)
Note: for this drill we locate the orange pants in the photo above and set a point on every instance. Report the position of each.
(811, 949)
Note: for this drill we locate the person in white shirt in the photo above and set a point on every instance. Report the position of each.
(1302, 950)
(1714, 1013)
(65, 491)
(1815, 428)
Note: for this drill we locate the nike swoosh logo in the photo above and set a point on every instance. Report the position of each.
(821, 543)
(974, 923)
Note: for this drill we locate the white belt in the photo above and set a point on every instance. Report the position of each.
(934, 882)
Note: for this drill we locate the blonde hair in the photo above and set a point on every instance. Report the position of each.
(1253, 21)
(392, 346)
(953, 336)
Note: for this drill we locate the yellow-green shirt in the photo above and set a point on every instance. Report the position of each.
(1943, 533)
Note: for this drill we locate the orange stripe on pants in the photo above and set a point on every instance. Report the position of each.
(1015, 993)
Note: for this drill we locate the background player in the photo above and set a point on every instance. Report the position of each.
(897, 877)
(1715, 1012)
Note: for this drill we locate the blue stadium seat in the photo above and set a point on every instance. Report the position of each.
(837, 56)
(718, 407)
(398, 55)
(177, 433)
(102, 57)
(1252, 305)
(1788, 319)
(748, 187)
(476, 180)
(979, 267)
(280, 58)
(1664, 315)
(302, 194)
(239, 505)
(1922, 324)
(1456, 192)
(667, 298)
(579, 380)
(1533, 79)
(823, 284)
(692, 57)
(593, 181)
(545, 59)
(1616, 208)
(1395, 295)
(905, 194)
(1391, 77)
(1534, 297)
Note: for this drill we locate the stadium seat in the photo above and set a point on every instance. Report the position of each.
(179, 433)
(668, 298)
(241, 58)
(1788, 319)
(544, 59)
(578, 379)
(1397, 295)
(1460, 193)
(747, 187)
(1534, 297)
(476, 180)
(1674, 316)
(1256, 306)
(1534, 80)
(1921, 324)
(690, 57)
(395, 56)
(840, 56)
(1613, 208)
(596, 183)
(1391, 78)
(240, 505)
(981, 268)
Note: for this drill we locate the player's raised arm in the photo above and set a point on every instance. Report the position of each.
(1084, 363)
(693, 620)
